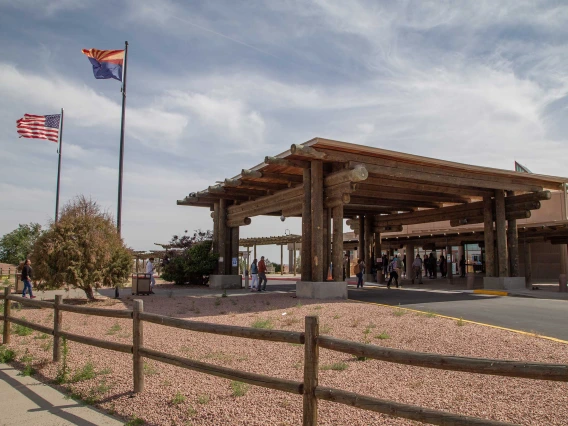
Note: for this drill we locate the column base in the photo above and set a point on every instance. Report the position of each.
(321, 290)
(504, 283)
(225, 281)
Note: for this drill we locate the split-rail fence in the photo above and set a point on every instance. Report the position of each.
(312, 341)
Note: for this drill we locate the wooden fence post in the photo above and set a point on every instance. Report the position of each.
(6, 336)
(311, 361)
(137, 342)
(57, 320)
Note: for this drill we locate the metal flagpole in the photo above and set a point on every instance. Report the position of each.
(121, 161)
(59, 166)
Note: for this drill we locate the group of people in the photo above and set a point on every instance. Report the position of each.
(393, 268)
(258, 275)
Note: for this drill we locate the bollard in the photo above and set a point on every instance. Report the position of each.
(562, 283)
(470, 281)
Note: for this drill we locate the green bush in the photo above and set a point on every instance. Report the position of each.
(6, 354)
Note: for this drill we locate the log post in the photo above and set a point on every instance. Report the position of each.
(137, 343)
(528, 265)
(489, 238)
(216, 227)
(222, 240)
(281, 259)
(361, 246)
(368, 247)
(254, 250)
(311, 361)
(337, 251)
(409, 261)
(306, 250)
(317, 221)
(379, 254)
(7, 310)
(57, 323)
(294, 257)
(326, 242)
(513, 243)
(500, 228)
(234, 250)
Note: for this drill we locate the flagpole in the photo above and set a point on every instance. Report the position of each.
(59, 166)
(121, 160)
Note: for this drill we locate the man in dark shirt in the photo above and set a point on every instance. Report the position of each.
(27, 274)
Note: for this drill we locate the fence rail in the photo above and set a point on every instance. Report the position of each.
(312, 342)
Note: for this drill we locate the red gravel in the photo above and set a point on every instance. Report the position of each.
(209, 401)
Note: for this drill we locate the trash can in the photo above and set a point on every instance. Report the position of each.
(141, 284)
(18, 284)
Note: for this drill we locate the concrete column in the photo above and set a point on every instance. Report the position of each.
(409, 261)
(528, 265)
(290, 261)
(234, 250)
(489, 237)
(317, 221)
(294, 258)
(501, 230)
(222, 242)
(337, 251)
(306, 251)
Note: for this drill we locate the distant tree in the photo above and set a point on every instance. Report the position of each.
(193, 260)
(82, 249)
(17, 245)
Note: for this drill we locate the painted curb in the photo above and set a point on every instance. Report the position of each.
(491, 292)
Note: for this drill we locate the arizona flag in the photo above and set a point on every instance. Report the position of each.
(106, 63)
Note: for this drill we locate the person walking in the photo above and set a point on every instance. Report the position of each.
(385, 265)
(150, 271)
(262, 274)
(393, 272)
(254, 275)
(462, 266)
(443, 265)
(417, 268)
(432, 265)
(359, 271)
(27, 275)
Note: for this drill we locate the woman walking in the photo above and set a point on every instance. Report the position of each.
(359, 271)
(27, 274)
(254, 273)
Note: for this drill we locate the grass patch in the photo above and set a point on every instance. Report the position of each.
(325, 329)
(317, 308)
(178, 399)
(150, 369)
(299, 305)
(336, 316)
(42, 336)
(224, 293)
(114, 329)
(22, 330)
(219, 356)
(399, 312)
(203, 398)
(460, 322)
(265, 324)
(86, 372)
(239, 388)
(28, 369)
(217, 301)
(191, 411)
(430, 314)
(135, 421)
(6, 354)
(382, 336)
(290, 320)
(47, 345)
(336, 366)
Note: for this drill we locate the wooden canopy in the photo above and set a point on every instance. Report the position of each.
(264, 241)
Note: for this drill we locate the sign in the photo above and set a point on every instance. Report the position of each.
(235, 261)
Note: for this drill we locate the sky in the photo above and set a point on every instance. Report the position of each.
(214, 86)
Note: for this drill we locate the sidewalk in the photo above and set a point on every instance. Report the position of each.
(25, 401)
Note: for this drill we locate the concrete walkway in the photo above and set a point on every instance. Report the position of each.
(25, 401)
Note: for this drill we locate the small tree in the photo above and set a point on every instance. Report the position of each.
(83, 249)
(193, 260)
(17, 245)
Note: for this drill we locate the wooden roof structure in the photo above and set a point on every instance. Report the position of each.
(276, 240)
(367, 180)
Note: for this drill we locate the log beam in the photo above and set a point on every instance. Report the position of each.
(306, 151)
(357, 174)
(299, 164)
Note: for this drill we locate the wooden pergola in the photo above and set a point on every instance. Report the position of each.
(324, 181)
(281, 241)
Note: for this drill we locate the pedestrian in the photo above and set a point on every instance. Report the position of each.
(262, 274)
(462, 266)
(150, 271)
(432, 265)
(443, 265)
(426, 264)
(27, 275)
(254, 275)
(417, 268)
(385, 265)
(359, 271)
(393, 272)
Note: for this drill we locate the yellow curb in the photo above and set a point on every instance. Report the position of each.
(526, 333)
(491, 292)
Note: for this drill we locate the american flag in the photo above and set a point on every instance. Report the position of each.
(39, 126)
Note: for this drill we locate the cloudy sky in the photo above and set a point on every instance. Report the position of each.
(214, 86)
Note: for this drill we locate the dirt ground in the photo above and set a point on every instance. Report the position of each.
(177, 396)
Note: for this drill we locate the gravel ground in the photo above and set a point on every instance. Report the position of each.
(177, 396)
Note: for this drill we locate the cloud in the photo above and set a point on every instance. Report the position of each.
(85, 107)
(46, 7)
